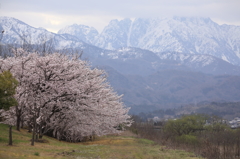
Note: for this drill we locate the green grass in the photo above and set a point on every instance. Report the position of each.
(106, 147)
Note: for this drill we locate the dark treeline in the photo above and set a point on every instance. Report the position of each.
(206, 136)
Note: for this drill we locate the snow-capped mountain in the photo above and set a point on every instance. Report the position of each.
(83, 32)
(170, 34)
(115, 35)
(186, 35)
(192, 35)
(177, 34)
(18, 32)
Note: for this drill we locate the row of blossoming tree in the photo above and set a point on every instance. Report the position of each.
(62, 96)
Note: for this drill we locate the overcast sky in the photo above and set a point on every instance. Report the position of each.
(56, 14)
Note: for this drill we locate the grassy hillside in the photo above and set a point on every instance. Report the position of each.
(122, 146)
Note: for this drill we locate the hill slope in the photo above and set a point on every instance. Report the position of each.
(107, 147)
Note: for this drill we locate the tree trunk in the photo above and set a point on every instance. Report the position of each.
(36, 138)
(21, 123)
(34, 129)
(40, 132)
(10, 135)
(36, 133)
(18, 121)
(18, 115)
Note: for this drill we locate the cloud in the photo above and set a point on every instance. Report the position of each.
(54, 15)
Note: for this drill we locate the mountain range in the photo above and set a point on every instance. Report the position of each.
(178, 34)
(157, 62)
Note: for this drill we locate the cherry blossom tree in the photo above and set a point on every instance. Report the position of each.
(17, 65)
(8, 85)
(62, 95)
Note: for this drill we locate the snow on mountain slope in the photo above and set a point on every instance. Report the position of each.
(83, 32)
(203, 63)
(18, 32)
(188, 35)
(127, 53)
(115, 35)
(197, 60)
(178, 34)
(130, 60)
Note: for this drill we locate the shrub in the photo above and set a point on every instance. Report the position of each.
(36, 154)
(187, 139)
